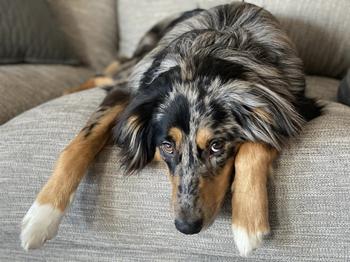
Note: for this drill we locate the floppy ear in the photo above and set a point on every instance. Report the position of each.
(134, 133)
(265, 116)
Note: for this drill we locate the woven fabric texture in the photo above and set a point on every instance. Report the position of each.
(25, 86)
(91, 27)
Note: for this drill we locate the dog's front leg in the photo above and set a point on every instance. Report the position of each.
(43, 218)
(249, 201)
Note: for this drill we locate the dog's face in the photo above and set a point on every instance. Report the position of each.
(200, 167)
(199, 153)
(195, 124)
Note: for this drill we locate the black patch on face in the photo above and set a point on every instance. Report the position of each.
(178, 114)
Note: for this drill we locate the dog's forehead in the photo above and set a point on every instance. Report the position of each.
(193, 103)
(198, 137)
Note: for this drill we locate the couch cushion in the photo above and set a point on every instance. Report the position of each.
(25, 86)
(91, 27)
(320, 29)
(128, 218)
(324, 88)
(29, 34)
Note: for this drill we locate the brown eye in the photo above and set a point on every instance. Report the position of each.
(167, 147)
(216, 147)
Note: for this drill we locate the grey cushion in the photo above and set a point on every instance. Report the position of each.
(117, 218)
(91, 27)
(324, 88)
(30, 34)
(320, 29)
(25, 86)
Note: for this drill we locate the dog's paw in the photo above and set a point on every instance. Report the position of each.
(245, 241)
(39, 224)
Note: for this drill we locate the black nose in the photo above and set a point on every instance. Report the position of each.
(188, 228)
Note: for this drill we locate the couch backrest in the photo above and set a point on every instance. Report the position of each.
(91, 26)
(319, 28)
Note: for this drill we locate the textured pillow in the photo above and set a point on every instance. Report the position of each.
(30, 34)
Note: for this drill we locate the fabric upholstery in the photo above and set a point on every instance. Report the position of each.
(117, 218)
(343, 94)
(25, 86)
(322, 87)
(29, 34)
(320, 29)
(92, 28)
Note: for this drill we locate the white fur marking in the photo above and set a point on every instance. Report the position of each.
(39, 224)
(245, 242)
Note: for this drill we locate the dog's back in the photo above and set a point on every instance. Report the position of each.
(240, 34)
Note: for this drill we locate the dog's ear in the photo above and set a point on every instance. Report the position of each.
(264, 115)
(134, 133)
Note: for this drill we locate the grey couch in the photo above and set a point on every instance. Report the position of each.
(116, 218)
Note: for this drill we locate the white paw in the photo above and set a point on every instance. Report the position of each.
(39, 224)
(246, 242)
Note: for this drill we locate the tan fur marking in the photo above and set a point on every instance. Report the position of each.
(204, 135)
(263, 115)
(89, 84)
(175, 180)
(157, 156)
(74, 160)
(103, 81)
(213, 190)
(249, 201)
(186, 70)
(133, 121)
(112, 68)
(176, 134)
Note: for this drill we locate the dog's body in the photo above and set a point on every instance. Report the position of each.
(214, 93)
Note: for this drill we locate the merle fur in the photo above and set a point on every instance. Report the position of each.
(230, 68)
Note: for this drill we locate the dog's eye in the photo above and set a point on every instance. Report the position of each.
(167, 147)
(216, 147)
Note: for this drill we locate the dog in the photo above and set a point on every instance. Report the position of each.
(215, 94)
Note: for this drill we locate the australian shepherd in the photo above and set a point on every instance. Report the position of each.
(215, 94)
